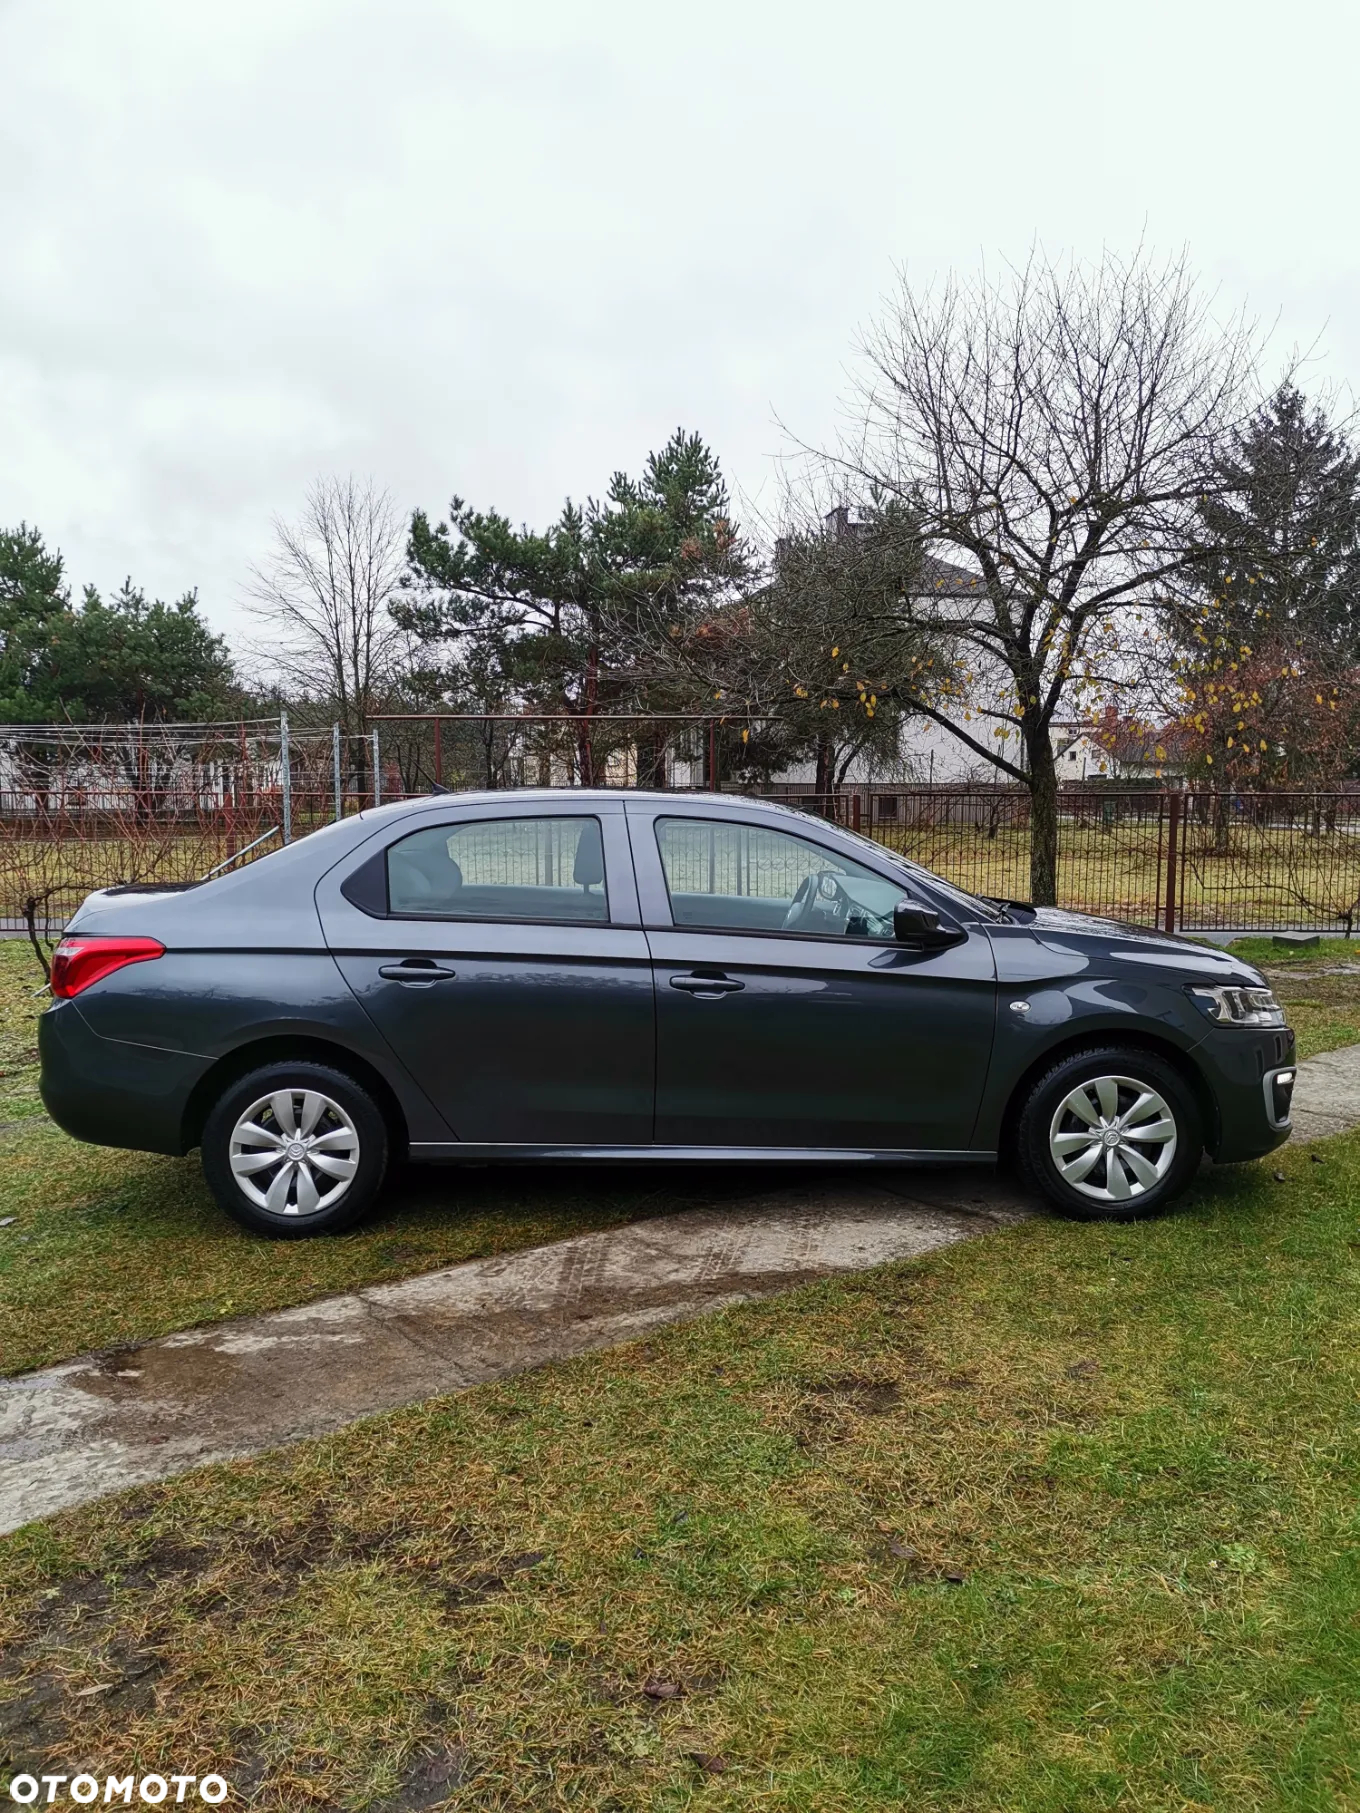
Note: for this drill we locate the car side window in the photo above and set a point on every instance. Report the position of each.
(500, 868)
(748, 878)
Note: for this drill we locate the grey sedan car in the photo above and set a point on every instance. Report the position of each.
(561, 975)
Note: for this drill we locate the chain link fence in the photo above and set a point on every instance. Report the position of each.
(89, 807)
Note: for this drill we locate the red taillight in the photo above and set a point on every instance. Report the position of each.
(77, 962)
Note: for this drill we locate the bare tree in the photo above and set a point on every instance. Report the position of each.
(325, 596)
(1056, 429)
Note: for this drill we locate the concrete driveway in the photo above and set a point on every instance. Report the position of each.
(94, 1425)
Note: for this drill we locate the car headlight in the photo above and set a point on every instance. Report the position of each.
(1233, 1006)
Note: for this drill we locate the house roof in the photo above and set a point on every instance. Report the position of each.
(1139, 743)
(946, 576)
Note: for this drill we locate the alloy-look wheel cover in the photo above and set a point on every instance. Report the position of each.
(294, 1152)
(1112, 1138)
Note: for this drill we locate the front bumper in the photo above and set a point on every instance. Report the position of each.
(110, 1092)
(1244, 1073)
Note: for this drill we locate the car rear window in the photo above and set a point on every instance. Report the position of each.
(500, 868)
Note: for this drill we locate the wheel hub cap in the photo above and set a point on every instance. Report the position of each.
(294, 1152)
(1113, 1138)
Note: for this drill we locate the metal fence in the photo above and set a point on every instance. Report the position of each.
(82, 808)
(91, 807)
(1184, 861)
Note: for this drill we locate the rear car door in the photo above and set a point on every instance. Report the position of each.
(500, 955)
(787, 1014)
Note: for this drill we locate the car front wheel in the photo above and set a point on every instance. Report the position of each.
(295, 1149)
(1110, 1135)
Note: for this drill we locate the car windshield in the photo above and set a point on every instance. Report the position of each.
(958, 897)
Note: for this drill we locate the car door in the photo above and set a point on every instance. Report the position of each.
(787, 1014)
(499, 954)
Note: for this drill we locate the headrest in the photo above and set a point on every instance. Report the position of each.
(411, 880)
(589, 867)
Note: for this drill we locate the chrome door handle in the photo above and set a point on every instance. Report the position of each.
(707, 988)
(417, 970)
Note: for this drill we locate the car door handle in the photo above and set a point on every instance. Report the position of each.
(416, 969)
(707, 988)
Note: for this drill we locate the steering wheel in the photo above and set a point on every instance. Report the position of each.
(803, 906)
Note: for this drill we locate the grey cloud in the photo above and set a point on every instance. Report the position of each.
(505, 250)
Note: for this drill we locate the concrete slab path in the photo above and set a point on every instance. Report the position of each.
(1327, 1094)
(94, 1425)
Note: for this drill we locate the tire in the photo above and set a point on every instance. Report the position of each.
(1062, 1137)
(325, 1179)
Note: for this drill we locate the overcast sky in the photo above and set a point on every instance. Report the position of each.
(505, 249)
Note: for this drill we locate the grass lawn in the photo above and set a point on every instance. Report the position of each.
(1323, 1005)
(109, 1247)
(1064, 1519)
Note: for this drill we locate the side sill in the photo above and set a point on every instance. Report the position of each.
(455, 1151)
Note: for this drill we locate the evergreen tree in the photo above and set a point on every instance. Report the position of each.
(112, 662)
(137, 659)
(1279, 552)
(34, 605)
(1267, 667)
(554, 619)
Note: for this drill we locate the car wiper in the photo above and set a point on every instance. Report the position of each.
(1014, 912)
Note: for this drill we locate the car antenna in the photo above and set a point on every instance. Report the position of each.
(439, 787)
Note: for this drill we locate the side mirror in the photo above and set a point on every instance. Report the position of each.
(919, 925)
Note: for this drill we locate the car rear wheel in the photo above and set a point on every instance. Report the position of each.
(1110, 1135)
(295, 1149)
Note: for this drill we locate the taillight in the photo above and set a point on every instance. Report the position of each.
(77, 962)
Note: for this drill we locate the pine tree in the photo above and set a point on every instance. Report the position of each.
(553, 620)
(34, 605)
(1270, 644)
(1280, 550)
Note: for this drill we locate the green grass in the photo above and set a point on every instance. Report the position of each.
(108, 1247)
(1060, 1520)
(1263, 949)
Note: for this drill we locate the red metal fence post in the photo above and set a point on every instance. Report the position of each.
(438, 753)
(1173, 825)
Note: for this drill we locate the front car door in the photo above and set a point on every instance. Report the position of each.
(787, 1013)
(499, 953)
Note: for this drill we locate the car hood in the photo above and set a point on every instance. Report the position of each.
(1061, 942)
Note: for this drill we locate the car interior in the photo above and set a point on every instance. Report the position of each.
(502, 875)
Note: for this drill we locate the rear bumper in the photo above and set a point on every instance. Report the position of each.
(109, 1092)
(1239, 1068)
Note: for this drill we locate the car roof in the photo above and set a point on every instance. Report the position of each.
(507, 796)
